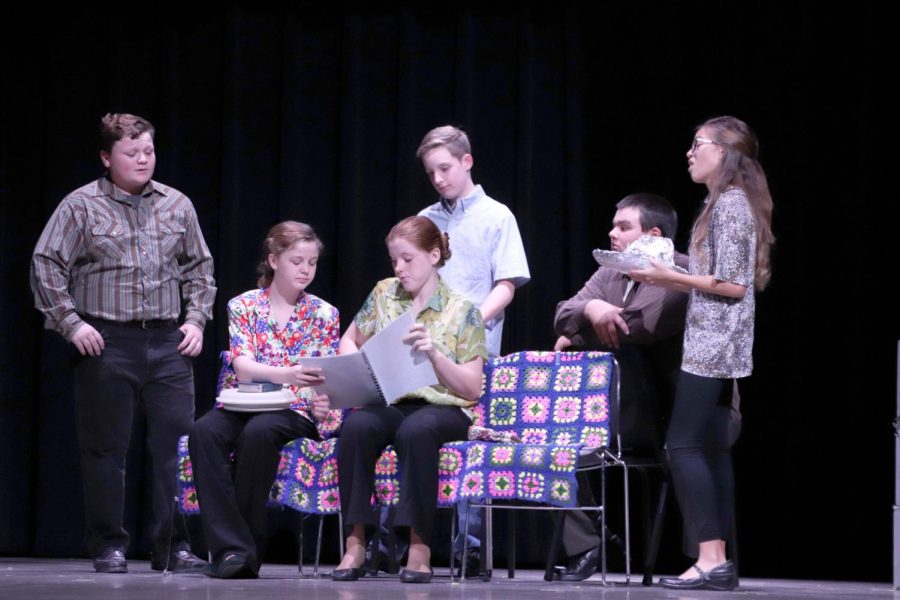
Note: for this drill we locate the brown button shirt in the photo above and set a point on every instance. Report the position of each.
(109, 255)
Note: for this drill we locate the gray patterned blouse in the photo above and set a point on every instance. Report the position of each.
(718, 334)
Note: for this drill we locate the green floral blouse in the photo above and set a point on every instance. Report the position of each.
(455, 325)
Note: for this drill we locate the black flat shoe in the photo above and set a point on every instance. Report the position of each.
(721, 578)
(110, 560)
(407, 576)
(351, 574)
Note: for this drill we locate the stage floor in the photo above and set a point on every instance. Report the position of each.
(75, 579)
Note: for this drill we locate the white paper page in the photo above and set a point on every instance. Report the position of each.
(347, 380)
(397, 366)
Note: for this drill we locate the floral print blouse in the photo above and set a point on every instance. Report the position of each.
(718, 333)
(455, 325)
(313, 330)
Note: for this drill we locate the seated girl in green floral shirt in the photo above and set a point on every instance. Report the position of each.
(450, 332)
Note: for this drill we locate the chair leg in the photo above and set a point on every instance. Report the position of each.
(318, 546)
(554, 546)
(300, 572)
(487, 543)
(511, 544)
(603, 547)
(653, 544)
(453, 517)
(627, 499)
(465, 548)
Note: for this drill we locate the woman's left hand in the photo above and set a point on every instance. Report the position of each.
(420, 339)
(656, 274)
(321, 404)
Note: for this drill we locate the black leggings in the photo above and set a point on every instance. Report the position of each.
(700, 457)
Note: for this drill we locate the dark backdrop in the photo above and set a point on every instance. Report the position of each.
(314, 113)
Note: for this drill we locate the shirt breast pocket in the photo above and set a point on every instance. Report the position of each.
(108, 239)
(171, 236)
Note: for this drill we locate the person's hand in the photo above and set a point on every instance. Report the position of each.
(88, 340)
(304, 376)
(192, 343)
(562, 342)
(321, 404)
(420, 340)
(656, 274)
(607, 322)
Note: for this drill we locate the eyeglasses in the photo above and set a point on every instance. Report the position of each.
(700, 141)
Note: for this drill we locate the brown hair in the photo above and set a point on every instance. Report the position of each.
(116, 126)
(424, 234)
(280, 238)
(452, 138)
(740, 168)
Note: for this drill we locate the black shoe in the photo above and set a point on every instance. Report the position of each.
(407, 576)
(180, 561)
(473, 563)
(232, 566)
(722, 578)
(351, 574)
(110, 560)
(581, 566)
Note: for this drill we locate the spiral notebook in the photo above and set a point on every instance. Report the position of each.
(384, 369)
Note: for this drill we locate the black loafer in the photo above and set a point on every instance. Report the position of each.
(111, 560)
(180, 561)
(407, 576)
(351, 574)
(721, 578)
(232, 566)
(581, 566)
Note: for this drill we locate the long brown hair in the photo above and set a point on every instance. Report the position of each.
(740, 168)
(280, 238)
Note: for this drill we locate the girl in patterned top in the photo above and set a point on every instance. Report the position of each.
(450, 332)
(271, 329)
(729, 260)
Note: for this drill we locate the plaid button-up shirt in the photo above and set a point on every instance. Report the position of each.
(112, 256)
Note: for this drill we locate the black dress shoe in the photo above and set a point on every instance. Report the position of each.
(581, 566)
(110, 560)
(407, 576)
(351, 574)
(722, 578)
(232, 566)
(180, 561)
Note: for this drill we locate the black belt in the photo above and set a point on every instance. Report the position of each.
(145, 324)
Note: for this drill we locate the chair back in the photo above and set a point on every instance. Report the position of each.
(558, 398)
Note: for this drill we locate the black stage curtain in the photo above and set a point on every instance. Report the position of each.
(314, 112)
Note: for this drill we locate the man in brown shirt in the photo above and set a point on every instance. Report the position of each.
(642, 324)
(111, 271)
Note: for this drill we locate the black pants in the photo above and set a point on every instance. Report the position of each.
(699, 451)
(136, 366)
(233, 510)
(417, 431)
